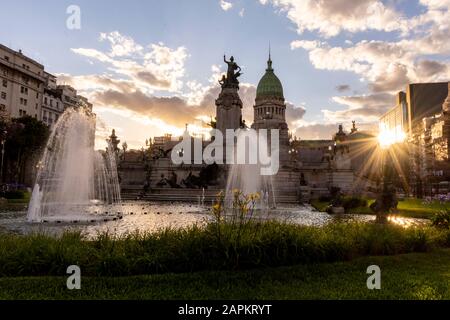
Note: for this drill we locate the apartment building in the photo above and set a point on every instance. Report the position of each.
(22, 84)
(27, 89)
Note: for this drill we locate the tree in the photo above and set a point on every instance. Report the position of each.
(25, 140)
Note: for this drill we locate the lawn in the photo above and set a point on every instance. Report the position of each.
(407, 276)
(410, 207)
(417, 208)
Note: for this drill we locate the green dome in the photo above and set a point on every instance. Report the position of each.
(269, 85)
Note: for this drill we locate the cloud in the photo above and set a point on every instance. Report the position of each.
(152, 67)
(386, 66)
(331, 17)
(121, 45)
(429, 68)
(315, 131)
(172, 110)
(306, 44)
(395, 78)
(88, 83)
(363, 108)
(343, 87)
(418, 52)
(225, 5)
(170, 113)
(325, 131)
(177, 112)
(242, 12)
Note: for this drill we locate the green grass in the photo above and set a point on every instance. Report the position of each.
(320, 205)
(417, 208)
(409, 276)
(256, 245)
(410, 207)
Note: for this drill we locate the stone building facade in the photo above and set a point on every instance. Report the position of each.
(27, 89)
(22, 84)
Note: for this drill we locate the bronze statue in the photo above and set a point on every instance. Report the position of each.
(223, 81)
(233, 72)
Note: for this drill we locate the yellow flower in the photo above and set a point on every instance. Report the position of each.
(253, 196)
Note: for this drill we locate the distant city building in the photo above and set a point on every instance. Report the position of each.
(421, 119)
(71, 99)
(431, 152)
(419, 101)
(52, 104)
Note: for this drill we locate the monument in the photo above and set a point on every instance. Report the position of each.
(307, 168)
(229, 104)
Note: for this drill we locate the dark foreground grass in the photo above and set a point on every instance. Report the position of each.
(223, 246)
(409, 276)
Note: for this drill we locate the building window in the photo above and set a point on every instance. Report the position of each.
(2, 107)
(3, 95)
(23, 101)
(37, 95)
(23, 90)
(6, 58)
(5, 83)
(45, 100)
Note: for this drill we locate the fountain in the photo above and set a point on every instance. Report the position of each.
(247, 179)
(74, 181)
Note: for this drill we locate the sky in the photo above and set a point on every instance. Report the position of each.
(150, 67)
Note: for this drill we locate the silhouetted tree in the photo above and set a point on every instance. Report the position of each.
(25, 139)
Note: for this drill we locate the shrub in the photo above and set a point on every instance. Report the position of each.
(17, 194)
(257, 245)
(441, 219)
(325, 198)
(353, 202)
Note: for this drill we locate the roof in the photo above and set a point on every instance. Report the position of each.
(269, 86)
